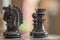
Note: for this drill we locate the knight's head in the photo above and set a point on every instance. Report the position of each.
(7, 8)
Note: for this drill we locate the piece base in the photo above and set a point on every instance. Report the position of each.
(39, 34)
(12, 35)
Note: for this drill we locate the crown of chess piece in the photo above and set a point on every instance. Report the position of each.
(13, 17)
(39, 30)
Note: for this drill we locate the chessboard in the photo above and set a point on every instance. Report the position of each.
(49, 37)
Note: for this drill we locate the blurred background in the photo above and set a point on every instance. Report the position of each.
(52, 22)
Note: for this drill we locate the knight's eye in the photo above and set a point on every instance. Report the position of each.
(10, 16)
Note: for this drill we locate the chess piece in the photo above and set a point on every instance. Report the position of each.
(34, 16)
(39, 30)
(13, 18)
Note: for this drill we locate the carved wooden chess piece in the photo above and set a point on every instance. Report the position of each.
(39, 30)
(13, 17)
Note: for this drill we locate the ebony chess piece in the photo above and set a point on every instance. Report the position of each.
(13, 17)
(34, 16)
(39, 30)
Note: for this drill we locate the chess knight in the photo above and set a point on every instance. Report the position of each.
(13, 18)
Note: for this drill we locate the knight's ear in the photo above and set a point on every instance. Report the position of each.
(4, 8)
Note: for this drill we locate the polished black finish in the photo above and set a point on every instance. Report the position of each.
(14, 18)
(39, 30)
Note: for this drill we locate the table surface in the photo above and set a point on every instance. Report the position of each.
(50, 37)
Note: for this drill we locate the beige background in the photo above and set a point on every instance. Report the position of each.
(47, 4)
(1, 26)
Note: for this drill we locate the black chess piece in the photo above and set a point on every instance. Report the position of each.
(13, 17)
(34, 16)
(39, 30)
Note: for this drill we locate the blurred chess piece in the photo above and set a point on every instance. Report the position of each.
(39, 30)
(13, 17)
